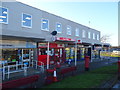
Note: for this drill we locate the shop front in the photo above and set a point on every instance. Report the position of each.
(16, 51)
(56, 52)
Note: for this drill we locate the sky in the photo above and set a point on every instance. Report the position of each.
(102, 15)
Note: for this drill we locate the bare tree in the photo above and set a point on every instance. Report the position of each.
(105, 38)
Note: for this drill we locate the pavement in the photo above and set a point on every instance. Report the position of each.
(96, 63)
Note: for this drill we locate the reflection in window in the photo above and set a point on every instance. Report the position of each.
(93, 35)
(97, 36)
(83, 33)
(3, 15)
(68, 30)
(77, 32)
(89, 35)
(45, 25)
(26, 20)
(58, 27)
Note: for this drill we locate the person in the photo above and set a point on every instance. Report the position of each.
(69, 62)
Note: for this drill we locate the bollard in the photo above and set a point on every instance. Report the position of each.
(55, 76)
(119, 70)
(87, 61)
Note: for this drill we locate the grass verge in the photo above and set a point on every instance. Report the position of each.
(88, 79)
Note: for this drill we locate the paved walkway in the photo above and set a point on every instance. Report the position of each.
(96, 63)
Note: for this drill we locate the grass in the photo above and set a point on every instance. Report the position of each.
(88, 79)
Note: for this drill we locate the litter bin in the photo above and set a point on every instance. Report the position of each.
(119, 70)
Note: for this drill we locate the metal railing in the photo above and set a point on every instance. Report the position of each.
(41, 64)
(13, 69)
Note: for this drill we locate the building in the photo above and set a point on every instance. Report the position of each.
(26, 35)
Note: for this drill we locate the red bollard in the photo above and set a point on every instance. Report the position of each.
(119, 69)
(87, 61)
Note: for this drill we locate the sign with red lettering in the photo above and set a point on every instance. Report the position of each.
(65, 39)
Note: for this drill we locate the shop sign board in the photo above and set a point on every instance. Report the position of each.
(31, 45)
(64, 39)
(52, 45)
(16, 44)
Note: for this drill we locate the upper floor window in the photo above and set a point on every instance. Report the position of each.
(83, 33)
(26, 20)
(3, 15)
(68, 30)
(89, 35)
(76, 32)
(45, 25)
(97, 36)
(59, 27)
(93, 35)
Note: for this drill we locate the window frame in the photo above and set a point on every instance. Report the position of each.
(7, 15)
(94, 36)
(98, 37)
(69, 29)
(42, 24)
(77, 29)
(56, 27)
(89, 35)
(83, 33)
(22, 20)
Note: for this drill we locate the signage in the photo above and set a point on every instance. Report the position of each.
(53, 38)
(52, 45)
(65, 39)
(16, 44)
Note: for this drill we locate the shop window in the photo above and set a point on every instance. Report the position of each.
(59, 27)
(77, 32)
(45, 25)
(3, 15)
(83, 33)
(89, 35)
(68, 30)
(26, 20)
(97, 36)
(93, 35)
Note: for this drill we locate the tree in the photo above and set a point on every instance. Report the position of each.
(105, 38)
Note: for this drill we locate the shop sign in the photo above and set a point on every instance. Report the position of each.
(42, 45)
(31, 45)
(52, 45)
(7, 46)
(79, 41)
(16, 44)
(60, 45)
(65, 39)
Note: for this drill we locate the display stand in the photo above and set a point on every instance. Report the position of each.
(26, 57)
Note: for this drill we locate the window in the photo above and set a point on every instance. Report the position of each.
(89, 35)
(93, 35)
(58, 27)
(3, 15)
(97, 36)
(77, 32)
(45, 24)
(26, 20)
(68, 30)
(83, 33)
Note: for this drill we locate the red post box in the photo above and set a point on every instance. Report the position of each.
(87, 61)
(119, 69)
